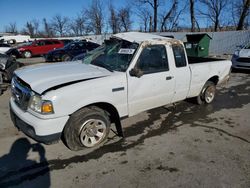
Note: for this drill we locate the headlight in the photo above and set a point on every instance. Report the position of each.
(41, 106)
(236, 53)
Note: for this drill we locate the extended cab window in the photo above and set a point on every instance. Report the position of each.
(179, 55)
(153, 59)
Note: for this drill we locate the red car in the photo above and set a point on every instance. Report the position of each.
(39, 47)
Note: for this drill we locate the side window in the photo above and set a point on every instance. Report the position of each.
(56, 42)
(48, 42)
(179, 55)
(153, 59)
(91, 45)
(40, 43)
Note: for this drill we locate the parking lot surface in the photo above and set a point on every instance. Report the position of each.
(181, 145)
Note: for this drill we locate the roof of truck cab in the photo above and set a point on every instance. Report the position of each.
(139, 37)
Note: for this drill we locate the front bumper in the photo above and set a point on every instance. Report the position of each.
(240, 65)
(52, 58)
(46, 131)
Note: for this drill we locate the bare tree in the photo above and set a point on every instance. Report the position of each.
(95, 16)
(170, 20)
(78, 24)
(124, 17)
(11, 28)
(169, 14)
(144, 16)
(192, 15)
(29, 29)
(215, 8)
(60, 24)
(48, 31)
(113, 19)
(155, 5)
(244, 14)
(35, 24)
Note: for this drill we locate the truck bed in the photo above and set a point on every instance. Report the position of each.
(193, 60)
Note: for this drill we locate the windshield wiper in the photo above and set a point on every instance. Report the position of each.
(100, 64)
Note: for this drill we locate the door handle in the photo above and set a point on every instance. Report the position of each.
(169, 77)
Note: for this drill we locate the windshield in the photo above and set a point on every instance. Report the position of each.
(24, 44)
(114, 55)
(69, 45)
(73, 45)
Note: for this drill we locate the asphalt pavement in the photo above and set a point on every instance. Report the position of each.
(181, 145)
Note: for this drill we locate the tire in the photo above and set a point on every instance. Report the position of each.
(207, 94)
(86, 128)
(66, 57)
(27, 54)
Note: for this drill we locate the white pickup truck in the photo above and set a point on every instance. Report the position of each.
(130, 73)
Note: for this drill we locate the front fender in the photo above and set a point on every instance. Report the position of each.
(68, 99)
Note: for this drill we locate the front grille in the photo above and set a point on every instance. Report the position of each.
(243, 66)
(243, 60)
(21, 92)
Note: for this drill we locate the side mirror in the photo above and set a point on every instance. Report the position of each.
(136, 72)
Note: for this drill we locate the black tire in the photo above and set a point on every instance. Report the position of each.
(207, 94)
(66, 57)
(77, 132)
(27, 54)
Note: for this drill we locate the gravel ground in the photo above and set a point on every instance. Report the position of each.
(182, 145)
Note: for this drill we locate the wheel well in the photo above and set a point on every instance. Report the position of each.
(214, 79)
(113, 114)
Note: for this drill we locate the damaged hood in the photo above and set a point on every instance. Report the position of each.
(45, 76)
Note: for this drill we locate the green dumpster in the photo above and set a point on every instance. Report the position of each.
(197, 45)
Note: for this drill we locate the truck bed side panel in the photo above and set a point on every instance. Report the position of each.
(202, 72)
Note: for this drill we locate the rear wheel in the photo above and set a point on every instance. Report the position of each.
(27, 54)
(66, 57)
(88, 127)
(207, 94)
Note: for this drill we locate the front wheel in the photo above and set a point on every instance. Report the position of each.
(88, 127)
(66, 58)
(27, 54)
(207, 94)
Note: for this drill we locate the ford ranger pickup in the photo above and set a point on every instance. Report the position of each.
(130, 73)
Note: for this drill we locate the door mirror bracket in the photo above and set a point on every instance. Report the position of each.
(135, 72)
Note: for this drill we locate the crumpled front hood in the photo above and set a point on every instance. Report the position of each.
(42, 77)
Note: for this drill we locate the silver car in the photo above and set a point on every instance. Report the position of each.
(241, 58)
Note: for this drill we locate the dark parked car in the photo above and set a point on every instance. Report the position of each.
(7, 67)
(79, 57)
(70, 51)
(39, 47)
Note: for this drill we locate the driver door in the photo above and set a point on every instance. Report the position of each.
(156, 86)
